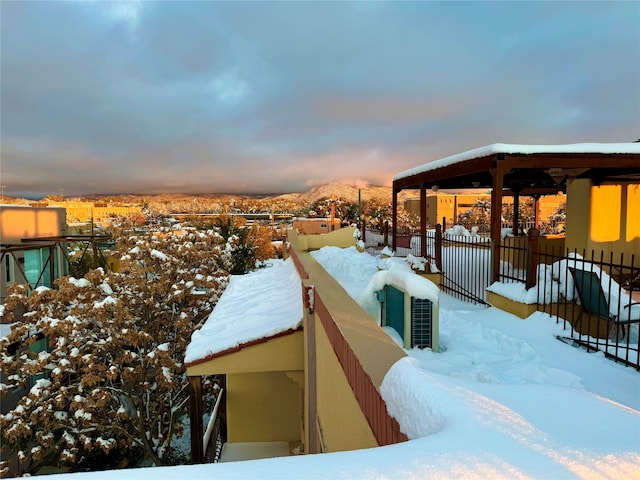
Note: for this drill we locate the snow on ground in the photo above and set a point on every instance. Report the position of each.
(503, 400)
(257, 305)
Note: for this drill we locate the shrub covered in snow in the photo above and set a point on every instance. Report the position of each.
(112, 378)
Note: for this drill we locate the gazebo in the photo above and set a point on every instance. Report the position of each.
(518, 170)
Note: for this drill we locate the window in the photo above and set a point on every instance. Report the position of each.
(8, 269)
(37, 268)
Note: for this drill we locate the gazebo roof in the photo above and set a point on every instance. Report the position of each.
(527, 168)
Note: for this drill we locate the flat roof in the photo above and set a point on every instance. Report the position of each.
(511, 149)
(541, 167)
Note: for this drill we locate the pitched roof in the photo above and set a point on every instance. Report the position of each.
(260, 305)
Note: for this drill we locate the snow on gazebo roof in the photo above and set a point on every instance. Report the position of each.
(505, 148)
(255, 306)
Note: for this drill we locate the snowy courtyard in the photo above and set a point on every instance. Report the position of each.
(502, 399)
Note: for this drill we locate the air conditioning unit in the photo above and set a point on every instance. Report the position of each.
(414, 319)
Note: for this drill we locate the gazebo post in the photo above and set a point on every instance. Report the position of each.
(536, 211)
(423, 220)
(394, 218)
(496, 218)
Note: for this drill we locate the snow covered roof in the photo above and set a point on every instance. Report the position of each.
(505, 148)
(255, 306)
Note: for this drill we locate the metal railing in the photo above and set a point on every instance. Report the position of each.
(542, 265)
(463, 261)
(215, 436)
(607, 319)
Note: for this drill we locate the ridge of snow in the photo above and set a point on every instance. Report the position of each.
(406, 281)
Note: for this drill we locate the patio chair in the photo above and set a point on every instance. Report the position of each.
(595, 302)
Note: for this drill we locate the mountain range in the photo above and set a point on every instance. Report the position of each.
(349, 193)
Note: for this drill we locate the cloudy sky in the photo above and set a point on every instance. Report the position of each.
(143, 97)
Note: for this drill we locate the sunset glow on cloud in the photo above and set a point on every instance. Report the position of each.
(265, 97)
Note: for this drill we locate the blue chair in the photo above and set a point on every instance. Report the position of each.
(595, 302)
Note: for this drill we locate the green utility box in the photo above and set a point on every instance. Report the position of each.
(414, 319)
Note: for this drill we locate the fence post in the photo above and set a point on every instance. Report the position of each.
(533, 247)
(386, 233)
(364, 229)
(438, 247)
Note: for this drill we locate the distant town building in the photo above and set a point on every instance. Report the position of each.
(315, 226)
(449, 206)
(29, 251)
(97, 212)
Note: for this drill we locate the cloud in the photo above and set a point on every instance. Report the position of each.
(261, 96)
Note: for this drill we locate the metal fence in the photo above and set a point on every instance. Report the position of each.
(596, 296)
(465, 264)
(600, 312)
(463, 261)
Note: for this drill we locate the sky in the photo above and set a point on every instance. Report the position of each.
(501, 399)
(273, 97)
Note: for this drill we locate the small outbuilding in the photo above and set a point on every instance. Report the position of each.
(259, 351)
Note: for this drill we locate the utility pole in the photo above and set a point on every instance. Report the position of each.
(2, 187)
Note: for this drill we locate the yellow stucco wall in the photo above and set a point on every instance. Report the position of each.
(339, 238)
(632, 233)
(264, 391)
(603, 218)
(85, 211)
(605, 213)
(339, 418)
(284, 353)
(17, 223)
(578, 215)
(315, 226)
(341, 423)
(450, 206)
(263, 407)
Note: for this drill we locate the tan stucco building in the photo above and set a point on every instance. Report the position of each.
(29, 252)
(449, 206)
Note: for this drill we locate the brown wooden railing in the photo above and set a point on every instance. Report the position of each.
(384, 427)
